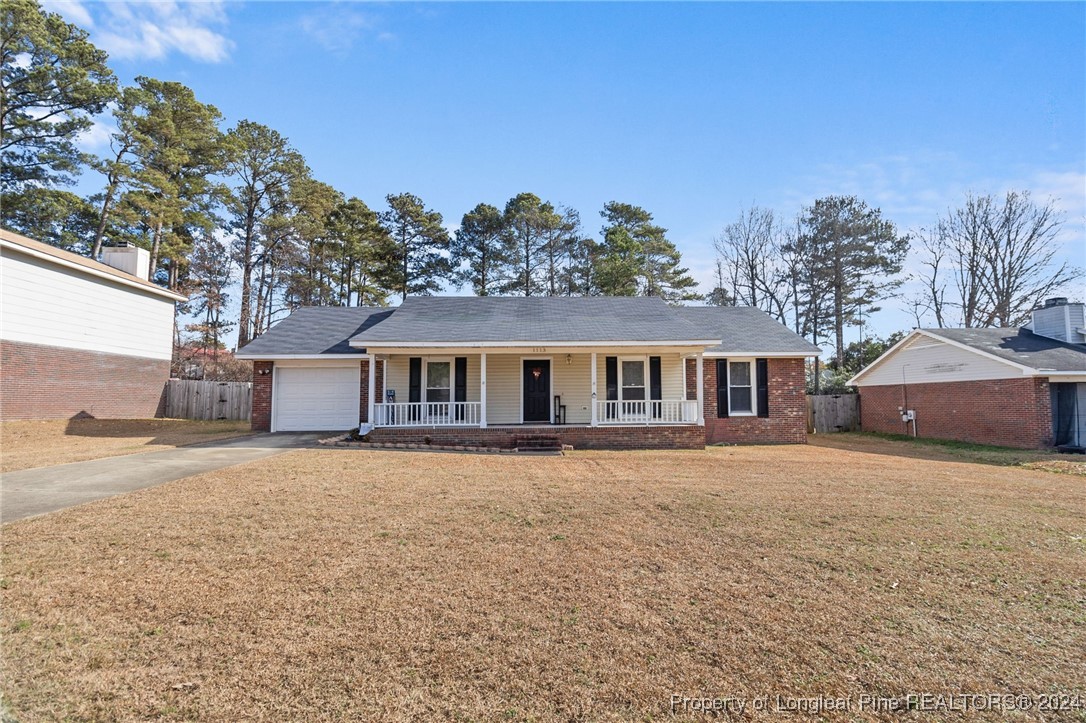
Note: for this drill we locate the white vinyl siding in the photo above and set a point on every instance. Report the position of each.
(571, 381)
(43, 303)
(397, 374)
(925, 360)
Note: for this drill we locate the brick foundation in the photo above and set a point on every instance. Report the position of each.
(1003, 412)
(262, 394)
(787, 420)
(49, 382)
(634, 437)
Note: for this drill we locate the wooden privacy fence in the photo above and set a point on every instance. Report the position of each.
(194, 399)
(833, 413)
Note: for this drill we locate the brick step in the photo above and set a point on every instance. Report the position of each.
(537, 443)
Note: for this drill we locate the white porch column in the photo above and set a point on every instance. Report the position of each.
(482, 390)
(701, 391)
(370, 412)
(595, 411)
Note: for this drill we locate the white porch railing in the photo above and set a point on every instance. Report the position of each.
(427, 414)
(656, 411)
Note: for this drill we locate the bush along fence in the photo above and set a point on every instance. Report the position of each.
(833, 413)
(193, 399)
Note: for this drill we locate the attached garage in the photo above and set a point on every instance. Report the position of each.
(315, 398)
(306, 375)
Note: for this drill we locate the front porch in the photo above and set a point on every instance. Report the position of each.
(550, 389)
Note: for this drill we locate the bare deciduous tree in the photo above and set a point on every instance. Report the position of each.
(753, 266)
(989, 263)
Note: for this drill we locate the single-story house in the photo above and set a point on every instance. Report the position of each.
(78, 336)
(599, 372)
(1009, 387)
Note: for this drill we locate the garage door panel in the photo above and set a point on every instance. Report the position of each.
(316, 398)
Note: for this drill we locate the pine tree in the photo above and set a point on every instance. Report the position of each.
(482, 251)
(418, 244)
(53, 82)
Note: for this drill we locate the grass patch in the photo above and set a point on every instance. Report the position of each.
(289, 591)
(903, 445)
(944, 443)
(38, 443)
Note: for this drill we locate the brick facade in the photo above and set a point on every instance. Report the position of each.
(263, 372)
(50, 382)
(786, 424)
(364, 391)
(787, 420)
(1004, 412)
(688, 436)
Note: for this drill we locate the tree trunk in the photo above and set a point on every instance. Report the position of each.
(156, 244)
(101, 230)
(405, 252)
(246, 279)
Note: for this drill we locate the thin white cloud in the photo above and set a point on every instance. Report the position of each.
(144, 30)
(71, 10)
(95, 138)
(338, 28)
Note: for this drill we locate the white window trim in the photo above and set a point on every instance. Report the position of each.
(644, 377)
(426, 377)
(750, 361)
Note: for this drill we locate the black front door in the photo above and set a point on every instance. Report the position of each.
(537, 390)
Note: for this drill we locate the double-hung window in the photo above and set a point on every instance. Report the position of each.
(740, 387)
(438, 381)
(633, 380)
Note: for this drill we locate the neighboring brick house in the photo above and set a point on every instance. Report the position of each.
(78, 336)
(1009, 387)
(596, 372)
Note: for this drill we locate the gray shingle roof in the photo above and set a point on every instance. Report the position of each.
(316, 330)
(472, 320)
(746, 330)
(1021, 346)
(454, 320)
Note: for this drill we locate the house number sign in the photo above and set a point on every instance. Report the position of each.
(539, 349)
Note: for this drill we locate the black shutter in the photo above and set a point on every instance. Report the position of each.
(762, 381)
(655, 385)
(414, 379)
(611, 363)
(656, 391)
(460, 384)
(721, 387)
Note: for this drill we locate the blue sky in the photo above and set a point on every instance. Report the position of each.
(693, 111)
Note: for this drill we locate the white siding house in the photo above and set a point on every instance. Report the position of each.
(79, 336)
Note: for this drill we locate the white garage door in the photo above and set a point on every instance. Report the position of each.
(315, 398)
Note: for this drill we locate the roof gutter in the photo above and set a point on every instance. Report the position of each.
(518, 344)
(763, 354)
(274, 357)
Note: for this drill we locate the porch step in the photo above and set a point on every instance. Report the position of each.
(537, 443)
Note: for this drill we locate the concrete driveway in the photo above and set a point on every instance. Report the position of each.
(46, 489)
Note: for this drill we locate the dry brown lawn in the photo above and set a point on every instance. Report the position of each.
(26, 444)
(347, 584)
(949, 451)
